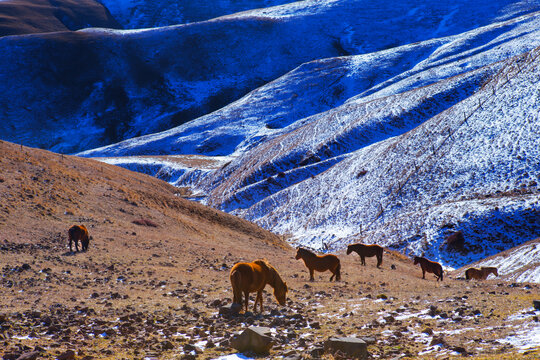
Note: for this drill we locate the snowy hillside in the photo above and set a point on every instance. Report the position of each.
(74, 91)
(321, 85)
(519, 264)
(136, 14)
(448, 144)
(397, 123)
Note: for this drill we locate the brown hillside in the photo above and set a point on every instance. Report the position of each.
(153, 289)
(19, 17)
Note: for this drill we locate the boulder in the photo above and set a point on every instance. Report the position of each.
(536, 304)
(29, 355)
(254, 338)
(68, 355)
(231, 309)
(349, 346)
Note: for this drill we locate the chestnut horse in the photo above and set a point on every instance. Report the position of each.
(76, 233)
(253, 277)
(429, 266)
(480, 274)
(366, 251)
(319, 263)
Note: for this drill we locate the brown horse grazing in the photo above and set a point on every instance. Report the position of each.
(319, 263)
(253, 277)
(366, 251)
(429, 266)
(76, 233)
(480, 274)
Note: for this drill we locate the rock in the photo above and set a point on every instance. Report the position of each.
(369, 340)
(317, 352)
(167, 345)
(254, 338)
(68, 355)
(437, 340)
(29, 355)
(536, 304)
(293, 357)
(349, 346)
(232, 309)
(11, 356)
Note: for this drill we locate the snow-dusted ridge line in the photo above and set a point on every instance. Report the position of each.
(475, 159)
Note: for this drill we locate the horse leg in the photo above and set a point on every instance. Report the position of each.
(257, 299)
(363, 260)
(423, 273)
(246, 299)
(260, 300)
(76, 245)
(70, 241)
(311, 278)
(379, 261)
(333, 274)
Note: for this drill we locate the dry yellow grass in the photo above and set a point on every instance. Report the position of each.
(155, 291)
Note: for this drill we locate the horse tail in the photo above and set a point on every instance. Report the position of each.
(236, 281)
(338, 271)
(442, 274)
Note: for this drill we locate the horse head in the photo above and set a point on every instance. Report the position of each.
(416, 260)
(349, 249)
(299, 253)
(280, 292)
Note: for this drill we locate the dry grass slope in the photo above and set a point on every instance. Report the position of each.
(154, 291)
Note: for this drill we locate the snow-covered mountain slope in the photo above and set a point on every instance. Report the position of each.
(520, 264)
(321, 85)
(37, 16)
(136, 14)
(403, 170)
(472, 167)
(73, 91)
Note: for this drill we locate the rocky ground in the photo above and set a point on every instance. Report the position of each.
(155, 290)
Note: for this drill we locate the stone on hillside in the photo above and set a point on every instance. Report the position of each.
(536, 304)
(232, 309)
(29, 355)
(349, 346)
(254, 338)
(68, 355)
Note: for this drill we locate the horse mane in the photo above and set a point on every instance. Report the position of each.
(306, 251)
(263, 263)
(273, 275)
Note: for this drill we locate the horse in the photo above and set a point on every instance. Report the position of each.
(320, 263)
(76, 233)
(429, 266)
(366, 251)
(480, 274)
(252, 277)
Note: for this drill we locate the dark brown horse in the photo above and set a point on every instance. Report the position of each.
(480, 274)
(320, 263)
(76, 233)
(253, 277)
(429, 266)
(366, 251)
